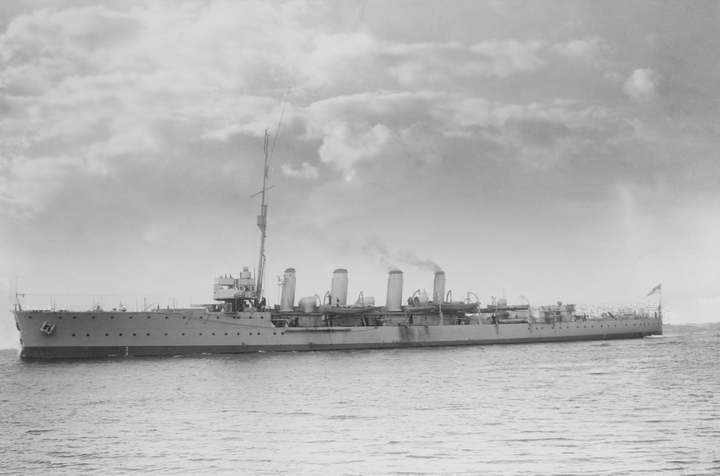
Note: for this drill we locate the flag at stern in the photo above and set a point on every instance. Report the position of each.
(656, 289)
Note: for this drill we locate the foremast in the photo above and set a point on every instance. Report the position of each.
(240, 293)
(262, 221)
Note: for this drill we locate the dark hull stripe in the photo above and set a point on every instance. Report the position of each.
(103, 351)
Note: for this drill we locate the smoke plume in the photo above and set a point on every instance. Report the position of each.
(395, 260)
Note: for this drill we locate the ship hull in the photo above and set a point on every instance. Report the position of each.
(57, 352)
(104, 334)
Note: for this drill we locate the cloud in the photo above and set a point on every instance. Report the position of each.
(641, 84)
(102, 85)
(212, 71)
(374, 127)
(476, 112)
(396, 109)
(334, 57)
(550, 132)
(587, 49)
(26, 187)
(345, 144)
(46, 46)
(442, 63)
(306, 171)
(540, 132)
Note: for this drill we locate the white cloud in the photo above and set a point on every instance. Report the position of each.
(641, 84)
(433, 63)
(510, 56)
(613, 77)
(418, 144)
(587, 49)
(346, 144)
(107, 84)
(26, 187)
(461, 114)
(100, 84)
(306, 171)
(335, 56)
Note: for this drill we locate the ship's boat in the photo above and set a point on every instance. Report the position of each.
(241, 321)
(455, 307)
(331, 310)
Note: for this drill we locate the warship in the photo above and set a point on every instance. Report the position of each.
(240, 321)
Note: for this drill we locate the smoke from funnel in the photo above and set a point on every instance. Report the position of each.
(394, 260)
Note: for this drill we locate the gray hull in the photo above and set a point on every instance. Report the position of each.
(178, 332)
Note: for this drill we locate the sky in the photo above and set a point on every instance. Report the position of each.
(555, 150)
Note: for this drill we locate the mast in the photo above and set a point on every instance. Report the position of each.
(262, 218)
(262, 221)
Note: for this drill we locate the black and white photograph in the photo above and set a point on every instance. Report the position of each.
(360, 237)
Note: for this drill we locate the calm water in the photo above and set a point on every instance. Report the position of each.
(593, 408)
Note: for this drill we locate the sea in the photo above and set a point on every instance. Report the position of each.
(628, 407)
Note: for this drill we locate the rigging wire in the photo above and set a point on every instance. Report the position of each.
(277, 131)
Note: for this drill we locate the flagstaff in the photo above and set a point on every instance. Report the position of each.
(657, 289)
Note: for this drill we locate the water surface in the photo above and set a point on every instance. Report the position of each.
(634, 407)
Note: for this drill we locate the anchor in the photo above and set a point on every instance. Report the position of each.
(47, 329)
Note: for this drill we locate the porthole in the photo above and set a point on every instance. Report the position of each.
(93, 317)
(251, 333)
(74, 317)
(134, 334)
(112, 317)
(130, 317)
(166, 334)
(106, 335)
(183, 333)
(238, 333)
(73, 335)
(59, 317)
(166, 317)
(226, 333)
(148, 317)
(87, 335)
(29, 317)
(148, 334)
(217, 317)
(213, 333)
(120, 335)
(201, 333)
(183, 317)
